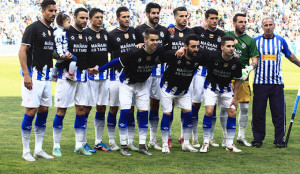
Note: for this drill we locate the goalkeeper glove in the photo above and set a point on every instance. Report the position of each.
(245, 72)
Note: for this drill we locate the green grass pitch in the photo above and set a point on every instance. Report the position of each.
(267, 159)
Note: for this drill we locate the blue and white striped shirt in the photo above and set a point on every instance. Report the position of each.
(81, 76)
(61, 40)
(269, 66)
(45, 74)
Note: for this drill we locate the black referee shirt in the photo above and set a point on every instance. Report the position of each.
(41, 41)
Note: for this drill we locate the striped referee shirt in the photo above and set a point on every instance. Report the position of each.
(269, 66)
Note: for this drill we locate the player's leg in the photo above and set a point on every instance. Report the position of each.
(125, 97)
(57, 130)
(102, 101)
(243, 98)
(131, 129)
(154, 108)
(112, 114)
(166, 106)
(260, 99)
(142, 103)
(223, 120)
(212, 141)
(277, 106)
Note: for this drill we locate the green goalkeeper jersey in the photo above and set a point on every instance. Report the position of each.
(245, 47)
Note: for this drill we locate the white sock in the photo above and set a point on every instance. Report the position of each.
(56, 137)
(164, 137)
(111, 134)
(143, 135)
(79, 137)
(123, 136)
(72, 67)
(181, 130)
(26, 140)
(130, 134)
(153, 129)
(195, 129)
(223, 120)
(99, 127)
(243, 119)
(230, 136)
(39, 137)
(187, 132)
(212, 129)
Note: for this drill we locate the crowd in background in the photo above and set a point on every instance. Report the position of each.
(15, 15)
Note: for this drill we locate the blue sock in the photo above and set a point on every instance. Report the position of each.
(100, 115)
(130, 120)
(41, 119)
(58, 122)
(165, 123)
(153, 116)
(187, 120)
(207, 122)
(123, 120)
(195, 111)
(111, 120)
(231, 127)
(143, 126)
(80, 122)
(27, 122)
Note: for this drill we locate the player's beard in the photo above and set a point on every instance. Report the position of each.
(191, 53)
(151, 20)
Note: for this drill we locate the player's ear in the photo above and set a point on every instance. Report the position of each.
(145, 39)
(222, 47)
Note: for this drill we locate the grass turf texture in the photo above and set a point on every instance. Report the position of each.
(267, 159)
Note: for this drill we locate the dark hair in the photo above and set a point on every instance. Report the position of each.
(226, 38)
(45, 3)
(79, 10)
(61, 17)
(210, 11)
(152, 5)
(191, 37)
(94, 11)
(237, 15)
(149, 31)
(121, 9)
(179, 9)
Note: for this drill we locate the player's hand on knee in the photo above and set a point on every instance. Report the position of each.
(28, 82)
(234, 102)
(179, 53)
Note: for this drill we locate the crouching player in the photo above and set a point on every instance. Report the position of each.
(222, 67)
(174, 87)
(137, 67)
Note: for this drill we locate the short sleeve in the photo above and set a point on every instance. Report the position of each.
(253, 51)
(28, 35)
(238, 70)
(285, 48)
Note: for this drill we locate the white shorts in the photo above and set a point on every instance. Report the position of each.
(154, 86)
(68, 93)
(98, 92)
(224, 99)
(180, 101)
(39, 95)
(130, 92)
(114, 93)
(198, 89)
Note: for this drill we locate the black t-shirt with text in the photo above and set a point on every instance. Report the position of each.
(177, 40)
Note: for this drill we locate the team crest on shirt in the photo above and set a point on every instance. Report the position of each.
(72, 38)
(211, 36)
(49, 32)
(243, 45)
(98, 36)
(225, 65)
(105, 37)
(139, 59)
(196, 64)
(79, 36)
(148, 58)
(188, 62)
(44, 34)
(178, 62)
(90, 38)
(180, 34)
(118, 39)
(162, 34)
(233, 67)
(236, 41)
(133, 36)
(202, 35)
(126, 36)
(219, 39)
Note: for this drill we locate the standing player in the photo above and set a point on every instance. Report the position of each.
(98, 84)
(69, 92)
(137, 67)
(222, 67)
(210, 39)
(174, 87)
(35, 56)
(152, 13)
(177, 39)
(246, 48)
(121, 40)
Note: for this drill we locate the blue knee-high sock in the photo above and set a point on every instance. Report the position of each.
(79, 126)
(187, 125)
(131, 128)
(26, 130)
(195, 117)
(207, 122)
(231, 127)
(99, 126)
(57, 128)
(111, 126)
(123, 120)
(39, 129)
(153, 120)
(165, 128)
(143, 126)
